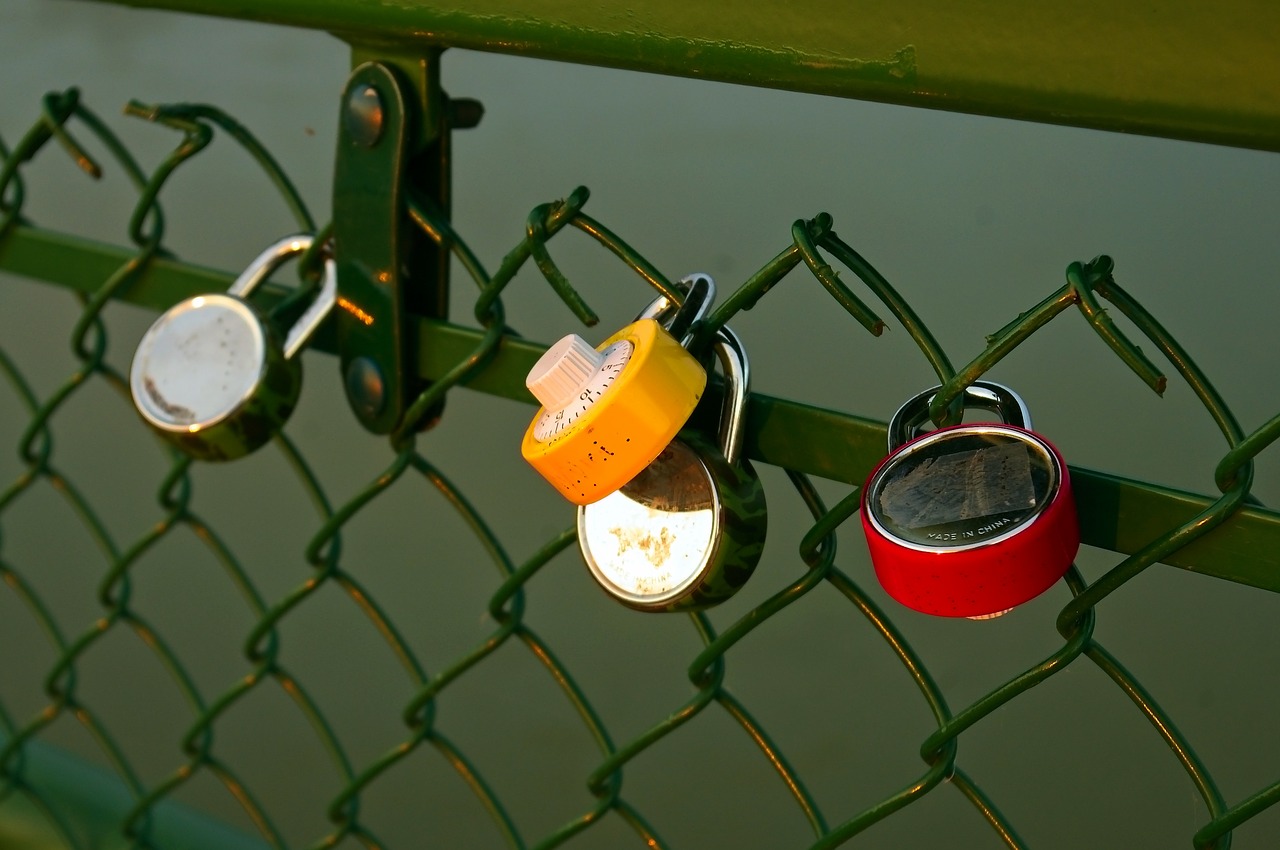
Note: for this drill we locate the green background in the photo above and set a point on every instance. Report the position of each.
(973, 219)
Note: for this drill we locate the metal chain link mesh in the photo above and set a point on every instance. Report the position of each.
(812, 241)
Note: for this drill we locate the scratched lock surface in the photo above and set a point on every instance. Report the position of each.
(948, 495)
(655, 539)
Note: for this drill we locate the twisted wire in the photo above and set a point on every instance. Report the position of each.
(812, 248)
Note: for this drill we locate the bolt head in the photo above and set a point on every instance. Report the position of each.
(364, 115)
(366, 389)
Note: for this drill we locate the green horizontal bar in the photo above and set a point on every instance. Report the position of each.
(1183, 68)
(1116, 513)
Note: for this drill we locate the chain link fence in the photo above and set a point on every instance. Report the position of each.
(201, 722)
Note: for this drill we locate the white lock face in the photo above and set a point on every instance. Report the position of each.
(198, 363)
(575, 377)
(651, 540)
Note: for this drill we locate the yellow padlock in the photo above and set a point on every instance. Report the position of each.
(608, 412)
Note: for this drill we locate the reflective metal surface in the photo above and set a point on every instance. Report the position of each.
(737, 383)
(650, 541)
(908, 421)
(198, 363)
(700, 292)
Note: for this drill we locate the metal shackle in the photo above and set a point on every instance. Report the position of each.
(737, 384)
(700, 292)
(906, 422)
(270, 260)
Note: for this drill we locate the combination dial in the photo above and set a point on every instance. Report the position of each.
(607, 412)
(570, 378)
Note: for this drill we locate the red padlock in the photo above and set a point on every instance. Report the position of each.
(970, 520)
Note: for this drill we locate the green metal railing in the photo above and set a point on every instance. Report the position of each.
(1182, 70)
(1223, 535)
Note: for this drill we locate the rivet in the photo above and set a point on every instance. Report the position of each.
(365, 388)
(364, 115)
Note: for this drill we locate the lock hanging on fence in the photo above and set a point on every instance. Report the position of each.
(608, 411)
(687, 531)
(212, 376)
(970, 520)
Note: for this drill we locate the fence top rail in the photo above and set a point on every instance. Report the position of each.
(1183, 69)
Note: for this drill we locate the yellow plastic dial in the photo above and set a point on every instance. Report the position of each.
(628, 425)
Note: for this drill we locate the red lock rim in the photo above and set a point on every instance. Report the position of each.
(992, 573)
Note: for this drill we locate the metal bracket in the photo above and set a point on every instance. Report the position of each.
(388, 134)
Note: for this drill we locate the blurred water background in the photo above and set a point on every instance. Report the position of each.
(972, 219)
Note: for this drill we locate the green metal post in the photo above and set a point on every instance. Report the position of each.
(393, 133)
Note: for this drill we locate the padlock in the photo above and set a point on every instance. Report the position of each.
(213, 377)
(688, 530)
(608, 411)
(969, 520)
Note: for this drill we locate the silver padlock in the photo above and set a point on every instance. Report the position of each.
(213, 377)
(687, 532)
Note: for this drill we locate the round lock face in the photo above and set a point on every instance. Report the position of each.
(553, 423)
(963, 488)
(198, 363)
(651, 541)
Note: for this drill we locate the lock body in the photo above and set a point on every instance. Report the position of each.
(212, 378)
(969, 520)
(216, 379)
(684, 534)
(615, 434)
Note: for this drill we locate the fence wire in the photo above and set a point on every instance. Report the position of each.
(813, 244)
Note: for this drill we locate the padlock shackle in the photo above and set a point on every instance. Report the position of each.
(270, 260)
(905, 423)
(737, 384)
(309, 322)
(700, 292)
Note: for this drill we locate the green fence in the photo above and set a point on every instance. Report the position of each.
(385, 771)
